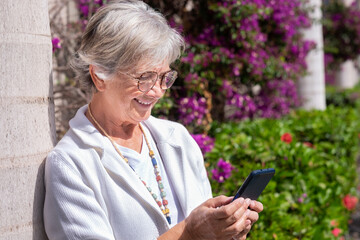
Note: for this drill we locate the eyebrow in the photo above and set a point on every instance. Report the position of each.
(139, 73)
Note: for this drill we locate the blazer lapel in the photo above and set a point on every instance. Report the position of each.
(175, 172)
(178, 170)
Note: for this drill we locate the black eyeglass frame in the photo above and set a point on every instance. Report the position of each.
(162, 76)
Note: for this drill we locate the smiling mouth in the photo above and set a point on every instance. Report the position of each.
(143, 103)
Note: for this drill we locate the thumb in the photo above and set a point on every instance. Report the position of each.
(218, 201)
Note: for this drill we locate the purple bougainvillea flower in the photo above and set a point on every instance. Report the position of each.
(223, 171)
(56, 43)
(205, 142)
(192, 109)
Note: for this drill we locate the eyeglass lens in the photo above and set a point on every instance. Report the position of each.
(148, 80)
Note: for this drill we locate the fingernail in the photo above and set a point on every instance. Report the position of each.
(241, 200)
(247, 222)
(247, 201)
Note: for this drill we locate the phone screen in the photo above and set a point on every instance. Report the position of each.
(255, 183)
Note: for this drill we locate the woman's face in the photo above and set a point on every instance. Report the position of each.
(127, 103)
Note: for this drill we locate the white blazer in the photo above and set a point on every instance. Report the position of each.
(91, 193)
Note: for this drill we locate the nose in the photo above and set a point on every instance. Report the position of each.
(156, 91)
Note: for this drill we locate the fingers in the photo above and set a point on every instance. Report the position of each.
(239, 237)
(231, 219)
(241, 211)
(241, 224)
(217, 202)
(222, 218)
(237, 209)
(242, 235)
(235, 216)
(225, 212)
(243, 218)
(252, 216)
(256, 206)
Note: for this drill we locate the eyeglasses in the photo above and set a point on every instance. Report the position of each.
(147, 80)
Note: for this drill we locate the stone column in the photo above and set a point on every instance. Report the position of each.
(311, 88)
(348, 74)
(27, 116)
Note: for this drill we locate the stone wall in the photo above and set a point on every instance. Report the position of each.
(27, 116)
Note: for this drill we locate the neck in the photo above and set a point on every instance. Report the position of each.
(126, 134)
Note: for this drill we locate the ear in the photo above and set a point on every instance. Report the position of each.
(98, 82)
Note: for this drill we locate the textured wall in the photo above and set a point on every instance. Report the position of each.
(26, 115)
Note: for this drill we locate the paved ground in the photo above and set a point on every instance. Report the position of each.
(354, 227)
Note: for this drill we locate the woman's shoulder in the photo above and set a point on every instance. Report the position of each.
(64, 149)
(68, 143)
(73, 151)
(81, 137)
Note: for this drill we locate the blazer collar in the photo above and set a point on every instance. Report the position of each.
(86, 131)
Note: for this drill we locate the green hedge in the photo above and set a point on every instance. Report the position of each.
(313, 173)
(343, 97)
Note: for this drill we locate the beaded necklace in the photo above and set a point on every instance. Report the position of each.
(162, 204)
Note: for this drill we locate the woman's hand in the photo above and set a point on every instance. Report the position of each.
(219, 218)
(253, 217)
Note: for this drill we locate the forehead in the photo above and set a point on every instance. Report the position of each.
(147, 66)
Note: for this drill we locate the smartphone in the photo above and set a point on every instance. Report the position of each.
(255, 183)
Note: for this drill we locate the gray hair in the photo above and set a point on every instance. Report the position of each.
(120, 36)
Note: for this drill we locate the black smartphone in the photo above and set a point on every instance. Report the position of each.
(255, 183)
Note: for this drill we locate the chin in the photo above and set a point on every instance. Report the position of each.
(144, 117)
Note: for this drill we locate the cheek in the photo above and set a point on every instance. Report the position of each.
(127, 90)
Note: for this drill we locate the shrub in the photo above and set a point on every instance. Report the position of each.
(314, 157)
(243, 57)
(343, 97)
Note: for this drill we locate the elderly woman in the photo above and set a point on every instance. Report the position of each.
(120, 173)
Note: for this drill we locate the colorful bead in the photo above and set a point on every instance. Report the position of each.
(165, 202)
(163, 194)
(154, 161)
(159, 203)
(168, 219)
(158, 178)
